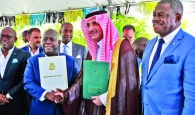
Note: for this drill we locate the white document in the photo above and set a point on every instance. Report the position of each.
(53, 72)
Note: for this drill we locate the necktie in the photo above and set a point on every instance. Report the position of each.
(65, 52)
(157, 54)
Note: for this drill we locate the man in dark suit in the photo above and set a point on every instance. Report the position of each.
(168, 82)
(12, 64)
(34, 39)
(43, 101)
(79, 52)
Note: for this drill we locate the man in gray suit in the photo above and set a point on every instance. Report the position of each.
(79, 52)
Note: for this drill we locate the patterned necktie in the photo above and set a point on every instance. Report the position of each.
(157, 54)
(65, 52)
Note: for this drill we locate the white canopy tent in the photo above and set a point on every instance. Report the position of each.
(19, 7)
(16, 7)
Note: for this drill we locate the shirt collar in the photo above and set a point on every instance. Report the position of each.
(9, 52)
(69, 44)
(170, 36)
(31, 50)
(100, 43)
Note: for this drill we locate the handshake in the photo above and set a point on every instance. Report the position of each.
(55, 96)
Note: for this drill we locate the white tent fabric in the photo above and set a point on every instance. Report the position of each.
(16, 7)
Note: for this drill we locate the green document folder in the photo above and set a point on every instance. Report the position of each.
(95, 78)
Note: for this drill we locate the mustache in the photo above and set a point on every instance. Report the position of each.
(93, 31)
(38, 42)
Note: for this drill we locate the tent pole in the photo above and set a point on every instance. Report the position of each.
(110, 8)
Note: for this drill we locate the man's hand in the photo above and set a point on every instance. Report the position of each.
(60, 93)
(58, 99)
(54, 96)
(96, 100)
(3, 99)
(50, 96)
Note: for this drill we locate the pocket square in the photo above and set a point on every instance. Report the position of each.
(78, 56)
(170, 60)
(15, 60)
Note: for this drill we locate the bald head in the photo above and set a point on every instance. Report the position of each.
(50, 42)
(51, 33)
(139, 46)
(139, 41)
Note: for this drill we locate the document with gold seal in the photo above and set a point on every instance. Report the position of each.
(53, 72)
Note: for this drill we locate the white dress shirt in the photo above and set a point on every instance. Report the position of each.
(167, 40)
(33, 54)
(68, 48)
(103, 97)
(4, 60)
(99, 50)
(3, 64)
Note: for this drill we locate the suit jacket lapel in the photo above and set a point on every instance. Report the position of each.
(42, 54)
(74, 50)
(9, 63)
(40, 49)
(173, 44)
(146, 59)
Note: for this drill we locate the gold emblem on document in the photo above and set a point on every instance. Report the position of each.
(51, 66)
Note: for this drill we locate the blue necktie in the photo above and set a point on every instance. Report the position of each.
(157, 54)
(65, 52)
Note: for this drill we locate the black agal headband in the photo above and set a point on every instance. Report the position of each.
(95, 13)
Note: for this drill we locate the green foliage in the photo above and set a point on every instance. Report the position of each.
(142, 30)
(79, 38)
(148, 7)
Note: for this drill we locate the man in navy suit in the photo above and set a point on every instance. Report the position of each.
(12, 64)
(168, 86)
(34, 47)
(34, 39)
(79, 52)
(43, 101)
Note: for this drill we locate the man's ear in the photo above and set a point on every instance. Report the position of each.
(143, 45)
(15, 39)
(60, 31)
(28, 37)
(178, 17)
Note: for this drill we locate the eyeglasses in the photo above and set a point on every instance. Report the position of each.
(8, 37)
